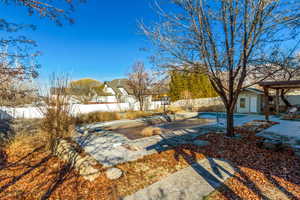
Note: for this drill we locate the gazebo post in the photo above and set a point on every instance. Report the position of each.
(267, 106)
(277, 101)
(277, 85)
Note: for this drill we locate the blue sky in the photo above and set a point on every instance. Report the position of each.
(102, 44)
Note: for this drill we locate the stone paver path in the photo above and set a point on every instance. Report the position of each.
(111, 148)
(192, 183)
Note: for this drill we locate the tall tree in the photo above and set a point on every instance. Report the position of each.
(197, 85)
(140, 82)
(226, 38)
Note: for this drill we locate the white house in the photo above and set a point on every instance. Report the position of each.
(250, 101)
(119, 92)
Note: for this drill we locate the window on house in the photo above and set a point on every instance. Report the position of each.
(242, 102)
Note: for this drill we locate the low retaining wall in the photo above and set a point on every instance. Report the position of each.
(83, 164)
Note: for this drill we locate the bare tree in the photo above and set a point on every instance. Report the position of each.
(16, 68)
(224, 38)
(289, 69)
(17, 53)
(55, 10)
(140, 82)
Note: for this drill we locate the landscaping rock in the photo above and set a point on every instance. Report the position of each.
(296, 149)
(88, 172)
(272, 144)
(113, 173)
(83, 164)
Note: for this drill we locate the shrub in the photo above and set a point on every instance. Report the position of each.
(150, 131)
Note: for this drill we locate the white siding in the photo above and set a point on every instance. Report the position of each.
(109, 90)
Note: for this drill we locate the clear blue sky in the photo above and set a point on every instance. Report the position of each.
(102, 44)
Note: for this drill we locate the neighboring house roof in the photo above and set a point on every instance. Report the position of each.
(119, 83)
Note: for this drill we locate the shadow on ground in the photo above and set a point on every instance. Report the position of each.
(252, 165)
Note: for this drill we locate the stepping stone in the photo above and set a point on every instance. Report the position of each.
(113, 173)
(272, 144)
(191, 183)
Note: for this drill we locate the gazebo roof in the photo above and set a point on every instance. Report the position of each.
(281, 84)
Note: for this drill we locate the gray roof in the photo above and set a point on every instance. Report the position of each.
(119, 83)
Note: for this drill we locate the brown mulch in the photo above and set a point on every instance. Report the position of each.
(38, 175)
(262, 174)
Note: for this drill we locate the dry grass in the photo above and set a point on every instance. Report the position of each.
(111, 116)
(96, 117)
(138, 114)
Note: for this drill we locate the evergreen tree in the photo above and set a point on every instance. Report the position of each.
(194, 85)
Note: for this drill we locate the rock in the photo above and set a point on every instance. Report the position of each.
(200, 143)
(88, 172)
(236, 136)
(113, 173)
(296, 149)
(84, 165)
(272, 144)
(176, 142)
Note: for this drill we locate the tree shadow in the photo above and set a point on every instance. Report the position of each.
(35, 169)
(180, 151)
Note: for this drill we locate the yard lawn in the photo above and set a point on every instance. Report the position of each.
(261, 173)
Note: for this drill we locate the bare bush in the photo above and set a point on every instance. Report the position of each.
(58, 121)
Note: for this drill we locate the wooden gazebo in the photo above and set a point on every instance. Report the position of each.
(276, 85)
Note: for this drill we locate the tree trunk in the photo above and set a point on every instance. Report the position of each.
(141, 104)
(286, 102)
(230, 124)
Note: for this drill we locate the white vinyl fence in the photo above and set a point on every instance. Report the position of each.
(34, 112)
